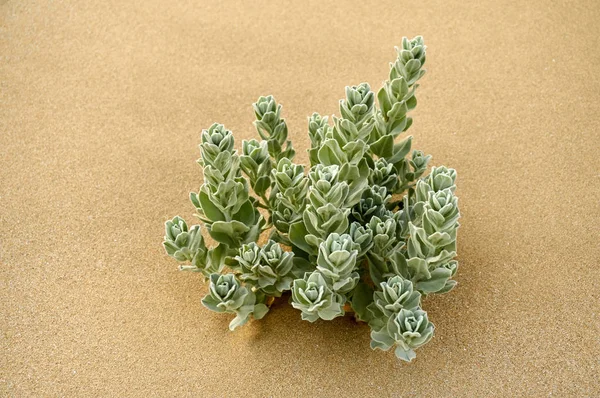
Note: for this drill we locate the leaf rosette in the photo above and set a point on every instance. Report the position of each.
(337, 262)
(227, 295)
(396, 293)
(215, 141)
(315, 299)
(407, 330)
(181, 243)
(359, 104)
(267, 268)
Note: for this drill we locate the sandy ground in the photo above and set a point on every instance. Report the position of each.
(100, 112)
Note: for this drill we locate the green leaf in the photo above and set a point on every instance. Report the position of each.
(411, 103)
(210, 303)
(384, 102)
(297, 233)
(301, 267)
(262, 184)
(313, 156)
(418, 269)
(383, 147)
(409, 122)
(450, 284)
(405, 355)
(354, 151)
(363, 296)
(260, 310)
(439, 277)
(217, 257)
(229, 233)
(398, 112)
(195, 201)
(401, 149)
(209, 209)
(246, 214)
(331, 153)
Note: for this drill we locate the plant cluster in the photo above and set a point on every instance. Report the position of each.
(363, 230)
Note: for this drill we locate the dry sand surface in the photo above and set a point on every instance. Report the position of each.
(101, 105)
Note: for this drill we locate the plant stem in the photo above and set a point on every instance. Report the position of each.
(259, 204)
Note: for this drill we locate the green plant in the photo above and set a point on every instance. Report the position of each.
(361, 231)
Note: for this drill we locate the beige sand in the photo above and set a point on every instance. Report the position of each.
(101, 108)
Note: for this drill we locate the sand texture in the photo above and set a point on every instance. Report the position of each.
(101, 106)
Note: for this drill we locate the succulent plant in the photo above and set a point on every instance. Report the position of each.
(396, 293)
(226, 294)
(318, 130)
(440, 212)
(287, 175)
(337, 262)
(291, 184)
(257, 165)
(315, 299)
(410, 170)
(383, 174)
(215, 141)
(317, 225)
(283, 217)
(363, 228)
(359, 104)
(384, 236)
(272, 128)
(267, 269)
(326, 211)
(362, 236)
(180, 242)
(372, 204)
(410, 61)
(407, 330)
(325, 187)
(441, 178)
(428, 275)
(288, 196)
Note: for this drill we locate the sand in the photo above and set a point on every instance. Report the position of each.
(101, 105)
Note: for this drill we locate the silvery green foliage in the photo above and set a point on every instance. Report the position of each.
(368, 228)
(362, 236)
(396, 99)
(327, 209)
(187, 246)
(441, 178)
(383, 174)
(431, 245)
(385, 239)
(359, 105)
(288, 195)
(318, 130)
(223, 202)
(407, 330)
(440, 212)
(345, 145)
(217, 143)
(272, 128)
(267, 269)
(313, 296)
(396, 293)
(226, 294)
(337, 262)
(410, 170)
(257, 165)
(180, 243)
(410, 61)
(372, 204)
